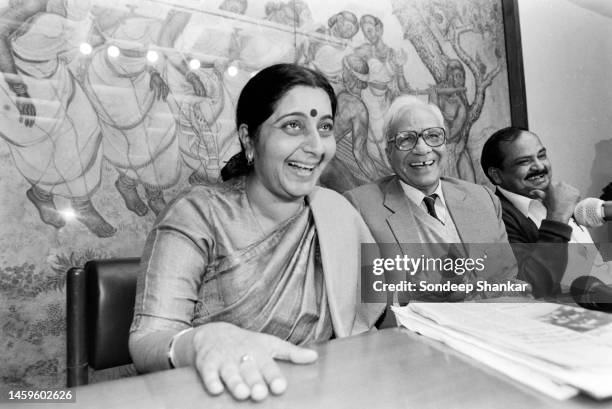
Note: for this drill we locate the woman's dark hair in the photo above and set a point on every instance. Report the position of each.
(259, 99)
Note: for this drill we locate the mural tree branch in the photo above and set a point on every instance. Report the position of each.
(435, 28)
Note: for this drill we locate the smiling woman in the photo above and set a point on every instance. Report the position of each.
(289, 160)
(236, 275)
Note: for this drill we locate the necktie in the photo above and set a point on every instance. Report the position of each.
(430, 202)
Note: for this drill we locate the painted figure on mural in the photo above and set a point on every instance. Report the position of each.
(48, 122)
(326, 56)
(450, 96)
(386, 81)
(294, 13)
(197, 101)
(351, 166)
(377, 51)
(129, 93)
(253, 45)
(355, 163)
(443, 37)
(200, 49)
(225, 47)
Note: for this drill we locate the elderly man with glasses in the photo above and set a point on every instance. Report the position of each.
(418, 205)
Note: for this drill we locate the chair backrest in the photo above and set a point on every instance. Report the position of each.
(100, 306)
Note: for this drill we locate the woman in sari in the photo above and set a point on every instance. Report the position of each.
(237, 275)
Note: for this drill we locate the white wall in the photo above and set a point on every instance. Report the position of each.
(567, 54)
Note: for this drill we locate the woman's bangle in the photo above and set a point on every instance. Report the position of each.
(170, 353)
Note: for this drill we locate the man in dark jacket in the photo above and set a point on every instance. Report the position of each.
(537, 211)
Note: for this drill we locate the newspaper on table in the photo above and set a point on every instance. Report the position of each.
(556, 349)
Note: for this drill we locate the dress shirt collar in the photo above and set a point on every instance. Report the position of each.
(531, 208)
(416, 196)
(522, 203)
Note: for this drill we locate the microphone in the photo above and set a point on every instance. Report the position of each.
(592, 212)
(592, 293)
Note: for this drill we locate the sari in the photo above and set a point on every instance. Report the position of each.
(274, 286)
(207, 260)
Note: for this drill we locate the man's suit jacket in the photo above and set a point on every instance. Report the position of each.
(541, 252)
(474, 209)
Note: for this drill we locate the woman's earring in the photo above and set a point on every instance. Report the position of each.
(249, 158)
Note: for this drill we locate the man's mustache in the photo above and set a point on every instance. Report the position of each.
(538, 173)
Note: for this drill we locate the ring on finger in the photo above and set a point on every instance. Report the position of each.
(245, 358)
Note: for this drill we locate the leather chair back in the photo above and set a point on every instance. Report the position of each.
(100, 307)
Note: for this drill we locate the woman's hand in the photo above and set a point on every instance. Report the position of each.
(241, 361)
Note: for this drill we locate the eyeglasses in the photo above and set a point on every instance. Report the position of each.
(407, 140)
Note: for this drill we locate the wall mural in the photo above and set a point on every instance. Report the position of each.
(109, 108)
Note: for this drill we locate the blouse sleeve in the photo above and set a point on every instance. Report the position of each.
(171, 269)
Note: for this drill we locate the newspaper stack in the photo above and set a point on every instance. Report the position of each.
(557, 349)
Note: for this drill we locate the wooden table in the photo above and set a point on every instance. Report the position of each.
(386, 369)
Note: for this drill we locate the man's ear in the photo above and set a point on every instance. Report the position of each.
(494, 174)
